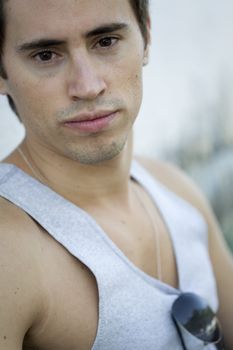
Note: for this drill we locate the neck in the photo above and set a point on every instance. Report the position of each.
(96, 183)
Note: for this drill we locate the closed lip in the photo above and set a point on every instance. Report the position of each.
(89, 116)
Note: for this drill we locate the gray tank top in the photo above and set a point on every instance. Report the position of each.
(134, 308)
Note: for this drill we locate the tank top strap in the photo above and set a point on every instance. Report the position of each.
(68, 224)
(71, 226)
(188, 233)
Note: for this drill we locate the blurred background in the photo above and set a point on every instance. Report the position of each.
(187, 112)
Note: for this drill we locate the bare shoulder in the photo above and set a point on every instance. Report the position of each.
(19, 277)
(177, 181)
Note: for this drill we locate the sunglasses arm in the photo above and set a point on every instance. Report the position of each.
(180, 334)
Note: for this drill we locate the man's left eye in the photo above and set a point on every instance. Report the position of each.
(107, 42)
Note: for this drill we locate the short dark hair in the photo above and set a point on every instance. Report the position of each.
(141, 11)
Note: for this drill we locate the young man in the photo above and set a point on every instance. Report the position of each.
(94, 250)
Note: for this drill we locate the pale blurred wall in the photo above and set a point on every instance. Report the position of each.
(11, 131)
(191, 67)
(191, 55)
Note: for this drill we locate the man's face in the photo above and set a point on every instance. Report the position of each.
(69, 62)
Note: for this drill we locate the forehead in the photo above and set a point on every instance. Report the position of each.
(62, 17)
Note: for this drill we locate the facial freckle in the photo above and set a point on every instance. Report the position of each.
(4, 337)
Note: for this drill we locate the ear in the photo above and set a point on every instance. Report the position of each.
(148, 43)
(146, 56)
(3, 86)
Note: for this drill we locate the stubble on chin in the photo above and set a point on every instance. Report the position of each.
(98, 155)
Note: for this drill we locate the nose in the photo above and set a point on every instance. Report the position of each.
(86, 81)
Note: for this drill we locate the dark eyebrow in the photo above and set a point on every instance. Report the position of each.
(38, 44)
(108, 28)
(46, 43)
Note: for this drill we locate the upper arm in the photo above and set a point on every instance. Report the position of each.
(18, 283)
(220, 255)
(12, 319)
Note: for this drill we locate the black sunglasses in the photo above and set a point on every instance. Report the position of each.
(192, 313)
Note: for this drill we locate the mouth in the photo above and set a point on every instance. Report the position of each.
(91, 122)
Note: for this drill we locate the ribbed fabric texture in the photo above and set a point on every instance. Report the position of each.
(134, 308)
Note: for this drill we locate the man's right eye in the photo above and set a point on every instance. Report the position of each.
(45, 56)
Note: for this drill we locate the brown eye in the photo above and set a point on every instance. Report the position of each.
(107, 42)
(45, 55)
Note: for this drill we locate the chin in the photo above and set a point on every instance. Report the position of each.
(96, 155)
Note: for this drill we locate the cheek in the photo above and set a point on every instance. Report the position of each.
(32, 100)
(137, 93)
(30, 106)
(134, 85)
(128, 75)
